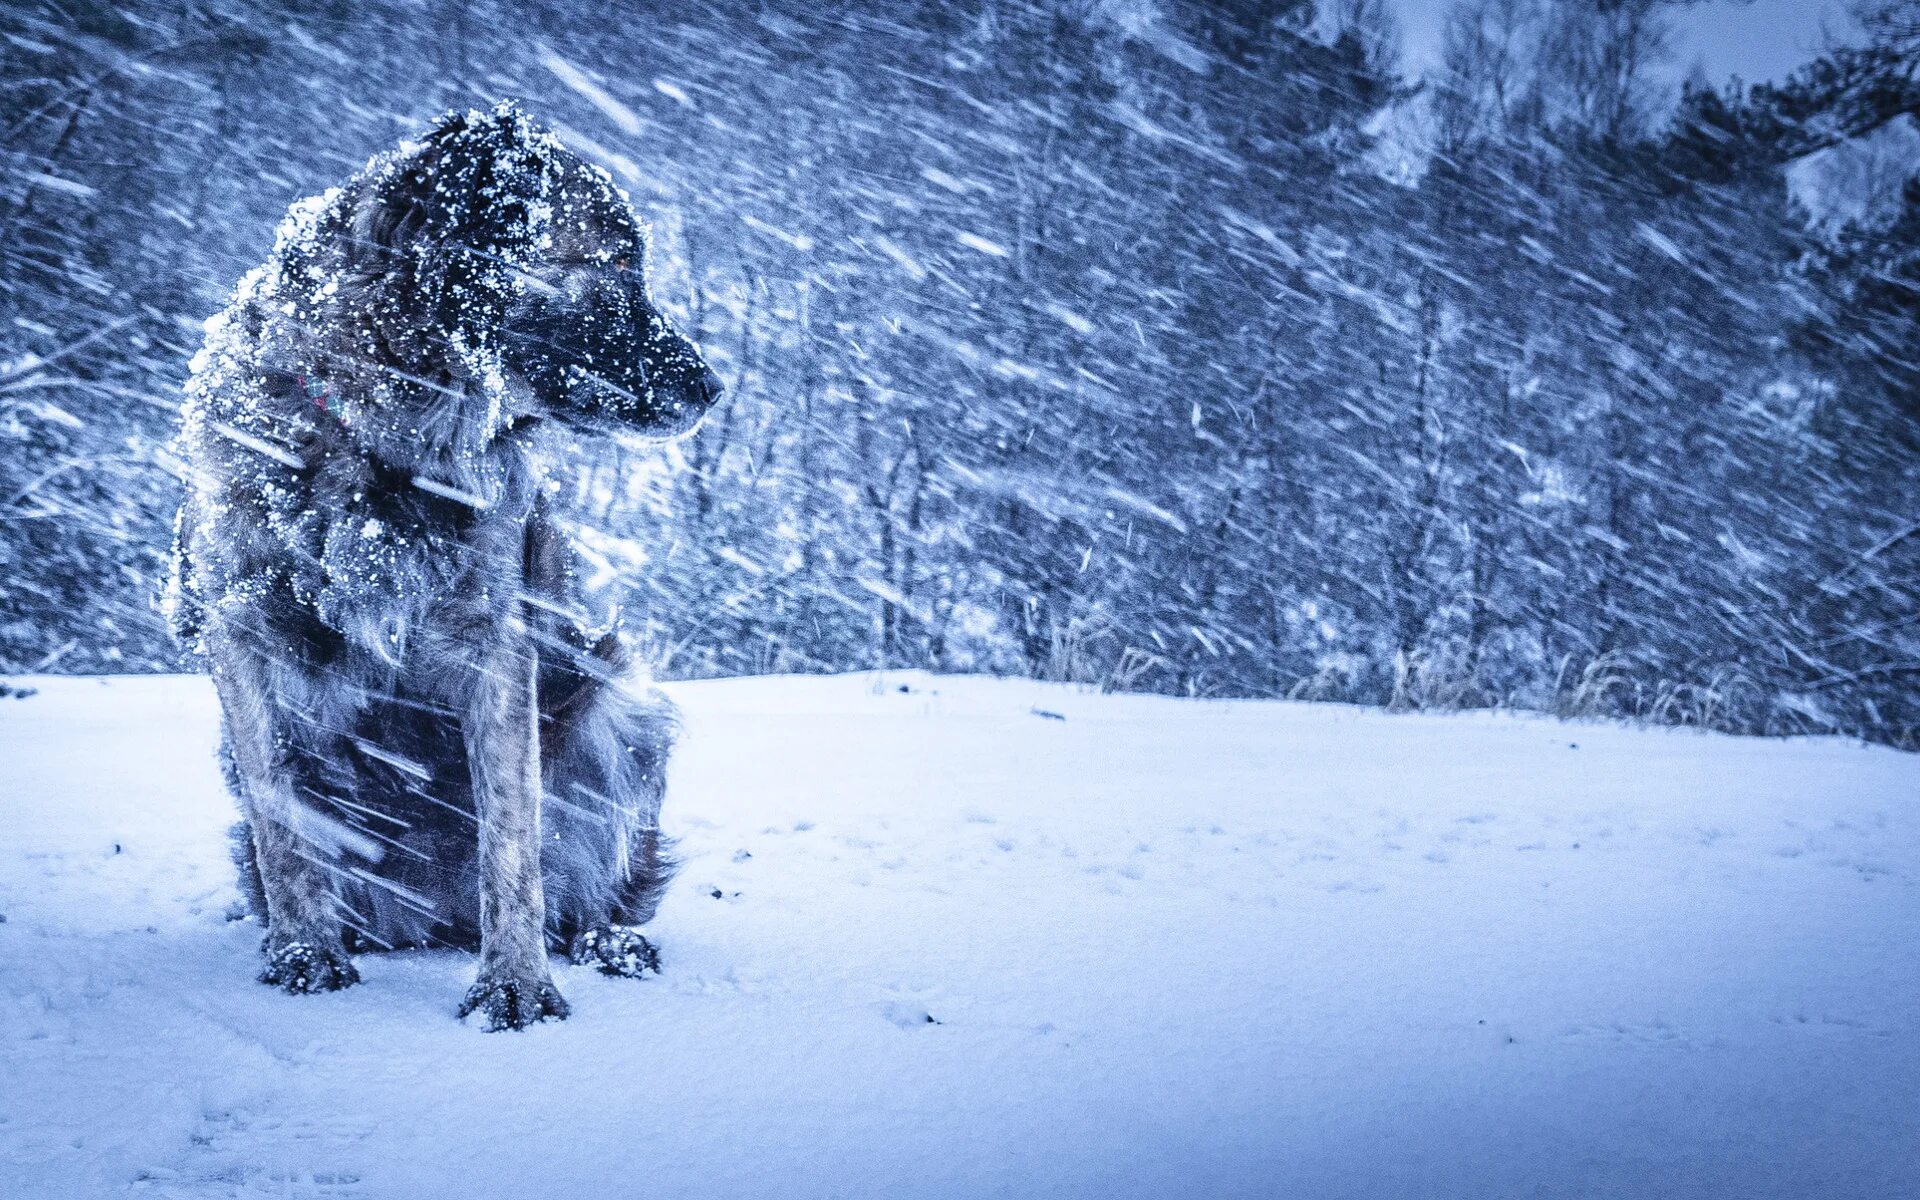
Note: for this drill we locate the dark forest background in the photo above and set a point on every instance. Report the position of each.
(1164, 346)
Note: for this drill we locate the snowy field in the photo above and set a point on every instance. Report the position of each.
(963, 938)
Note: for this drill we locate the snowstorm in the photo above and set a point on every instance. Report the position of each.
(1263, 598)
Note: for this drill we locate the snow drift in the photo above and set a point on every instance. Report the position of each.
(959, 937)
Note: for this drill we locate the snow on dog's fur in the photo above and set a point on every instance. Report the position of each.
(369, 558)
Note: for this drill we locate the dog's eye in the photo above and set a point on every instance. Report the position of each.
(621, 263)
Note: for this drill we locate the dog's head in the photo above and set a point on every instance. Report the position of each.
(491, 255)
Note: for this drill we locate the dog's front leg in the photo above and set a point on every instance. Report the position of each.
(305, 951)
(502, 732)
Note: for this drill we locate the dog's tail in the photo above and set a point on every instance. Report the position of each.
(604, 743)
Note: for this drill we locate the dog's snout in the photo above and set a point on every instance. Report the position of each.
(707, 387)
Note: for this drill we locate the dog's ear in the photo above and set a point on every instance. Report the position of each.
(389, 282)
(480, 173)
(437, 235)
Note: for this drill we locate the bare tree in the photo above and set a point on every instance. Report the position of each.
(1596, 65)
(1485, 77)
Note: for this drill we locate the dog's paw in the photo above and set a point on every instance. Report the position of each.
(513, 1003)
(615, 950)
(301, 967)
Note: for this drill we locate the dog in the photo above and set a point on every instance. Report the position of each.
(426, 719)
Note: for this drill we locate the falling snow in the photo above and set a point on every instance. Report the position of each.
(1124, 346)
(1133, 344)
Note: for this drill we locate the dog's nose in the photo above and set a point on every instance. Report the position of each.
(708, 387)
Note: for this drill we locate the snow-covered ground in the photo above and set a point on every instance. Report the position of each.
(966, 938)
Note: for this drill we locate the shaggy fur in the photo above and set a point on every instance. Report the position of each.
(429, 734)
